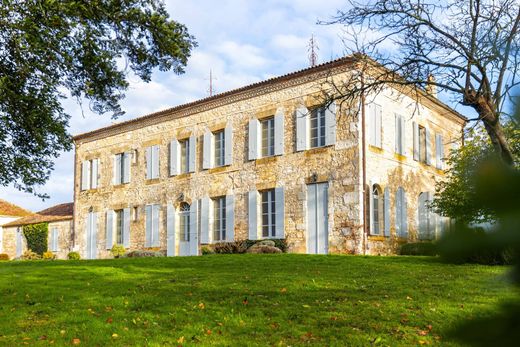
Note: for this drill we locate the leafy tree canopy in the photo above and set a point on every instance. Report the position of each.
(51, 48)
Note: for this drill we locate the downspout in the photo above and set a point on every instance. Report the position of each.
(74, 202)
(363, 164)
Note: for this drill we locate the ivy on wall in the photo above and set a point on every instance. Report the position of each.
(36, 236)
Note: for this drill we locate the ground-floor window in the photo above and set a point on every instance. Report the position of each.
(184, 222)
(219, 218)
(268, 213)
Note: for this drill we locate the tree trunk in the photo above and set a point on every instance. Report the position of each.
(489, 116)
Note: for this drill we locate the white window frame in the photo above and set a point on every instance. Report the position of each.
(320, 136)
(267, 134)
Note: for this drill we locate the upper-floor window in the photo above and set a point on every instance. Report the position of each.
(89, 174)
(219, 218)
(267, 126)
(220, 147)
(122, 168)
(375, 115)
(421, 144)
(217, 148)
(152, 162)
(185, 155)
(182, 156)
(317, 127)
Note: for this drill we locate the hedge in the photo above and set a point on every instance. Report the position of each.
(36, 236)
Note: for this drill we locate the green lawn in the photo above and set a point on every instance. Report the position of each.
(243, 300)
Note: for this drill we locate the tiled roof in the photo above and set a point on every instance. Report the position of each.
(51, 214)
(9, 209)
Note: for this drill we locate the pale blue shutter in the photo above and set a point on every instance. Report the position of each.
(279, 132)
(207, 151)
(55, 239)
(85, 175)
(302, 128)
(415, 141)
(370, 208)
(149, 226)
(126, 169)
(155, 161)
(228, 143)
(156, 242)
(439, 148)
(253, 214)
(378, 126)
(404, 222)
(230, 217)
(126, 227)
(174, 158)
(193, 153)
(280, 212)
(254, 130)
(386, 209)
(398, 212)
(194, 234)
(398, 134)
(204, 220)
(93, 236)
(148, 154)
(117, 169)
(170, 230)
(372, 110)
(94, 173)
(50, 241)
(403, 135)
(19, 244)
(330, 125)
(428, 147)
(109, 229)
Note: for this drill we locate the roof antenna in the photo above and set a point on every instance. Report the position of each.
(313, 49)
(211, 89)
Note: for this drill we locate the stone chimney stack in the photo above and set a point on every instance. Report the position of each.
(431, 89)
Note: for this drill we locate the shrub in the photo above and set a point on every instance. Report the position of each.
(419, 248)
(260, 248)
(118, 251)
(205, 250)
(36, 236)
(235, 247)
(30, 255)
(143, 254)
(278, 243)
(48, 256)
(4, 256)
(73, 256)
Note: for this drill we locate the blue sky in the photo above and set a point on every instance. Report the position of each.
(241, 41)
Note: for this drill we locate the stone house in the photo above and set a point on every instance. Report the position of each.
(269, 160)
(9, 212)
(60, 227)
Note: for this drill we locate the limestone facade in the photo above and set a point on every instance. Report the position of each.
(242, 180)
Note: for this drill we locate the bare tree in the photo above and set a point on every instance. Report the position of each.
(467, 48)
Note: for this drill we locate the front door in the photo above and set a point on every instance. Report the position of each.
(91, 229)
(188, 233)
(317, 218)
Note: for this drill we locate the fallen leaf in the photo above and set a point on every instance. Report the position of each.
(62, 332)
(181, 339)
(109, 320)
(76, 341)
(115, 336)
(208, 332)
(283, 290)
(202, 306)
(43, 337)
(423, 333)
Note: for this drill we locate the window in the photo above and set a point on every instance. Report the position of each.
(267, 126)
(317, 127)
(152, 162)
(219, 219)
(122, 168)
(135, 213)
(374, 125)
(377, 210)
(184, 222)
(401, 220)
(268, 213)
(422, 144)
(89, 174)
(425, 217)
(119, 226)
(185, 155)
(439, 151)
(220, 147)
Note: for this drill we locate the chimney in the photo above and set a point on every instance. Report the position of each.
(431, 89)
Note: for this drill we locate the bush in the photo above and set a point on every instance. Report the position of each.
(118, 251)
(205, 250)
(235, 247)
(419, 248)
(144, 254)
(36, 236)
(4, 256)
(278, 243)
(260, 248)
(73, 256)
(30, 255)
(48, 256)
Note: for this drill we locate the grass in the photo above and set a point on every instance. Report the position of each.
(243, 300)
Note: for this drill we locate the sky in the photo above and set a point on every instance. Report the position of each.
(241, 41)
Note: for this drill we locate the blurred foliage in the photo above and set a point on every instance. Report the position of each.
(419, 248)
(457, 197)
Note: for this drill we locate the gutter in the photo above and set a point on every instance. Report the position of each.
(364, 164)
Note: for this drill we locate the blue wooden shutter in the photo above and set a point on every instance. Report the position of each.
(85, 175)
(428, 147)
(204, 220)
(280, 212)
(253, 214)
(148, 154)
(109, 229)
(117, 169)
(94, 173)
(207, 150)
(170, 230)
(174, 158)
(155, 161)
(93, 235)
(397, 134)
(126, 227)
(230, 217)
(156, 242)
(302, 128)
(439, 150)
(386, 209)
(193, 153)
(330, 124)
(228, 145)
(416, 141)
(194, 233)
(149, 226)
(398, 212)
(279, 132)
(370, 208)
(403, 135)
(405, 214)
(254, 138)
(126, 170)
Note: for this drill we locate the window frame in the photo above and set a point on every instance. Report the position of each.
(268, 210)
(377, 215)
(219, 218)
(184, 222)
(267, 137)
(319, 140)
(184, 157)
(119, 226)
(219, 148)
